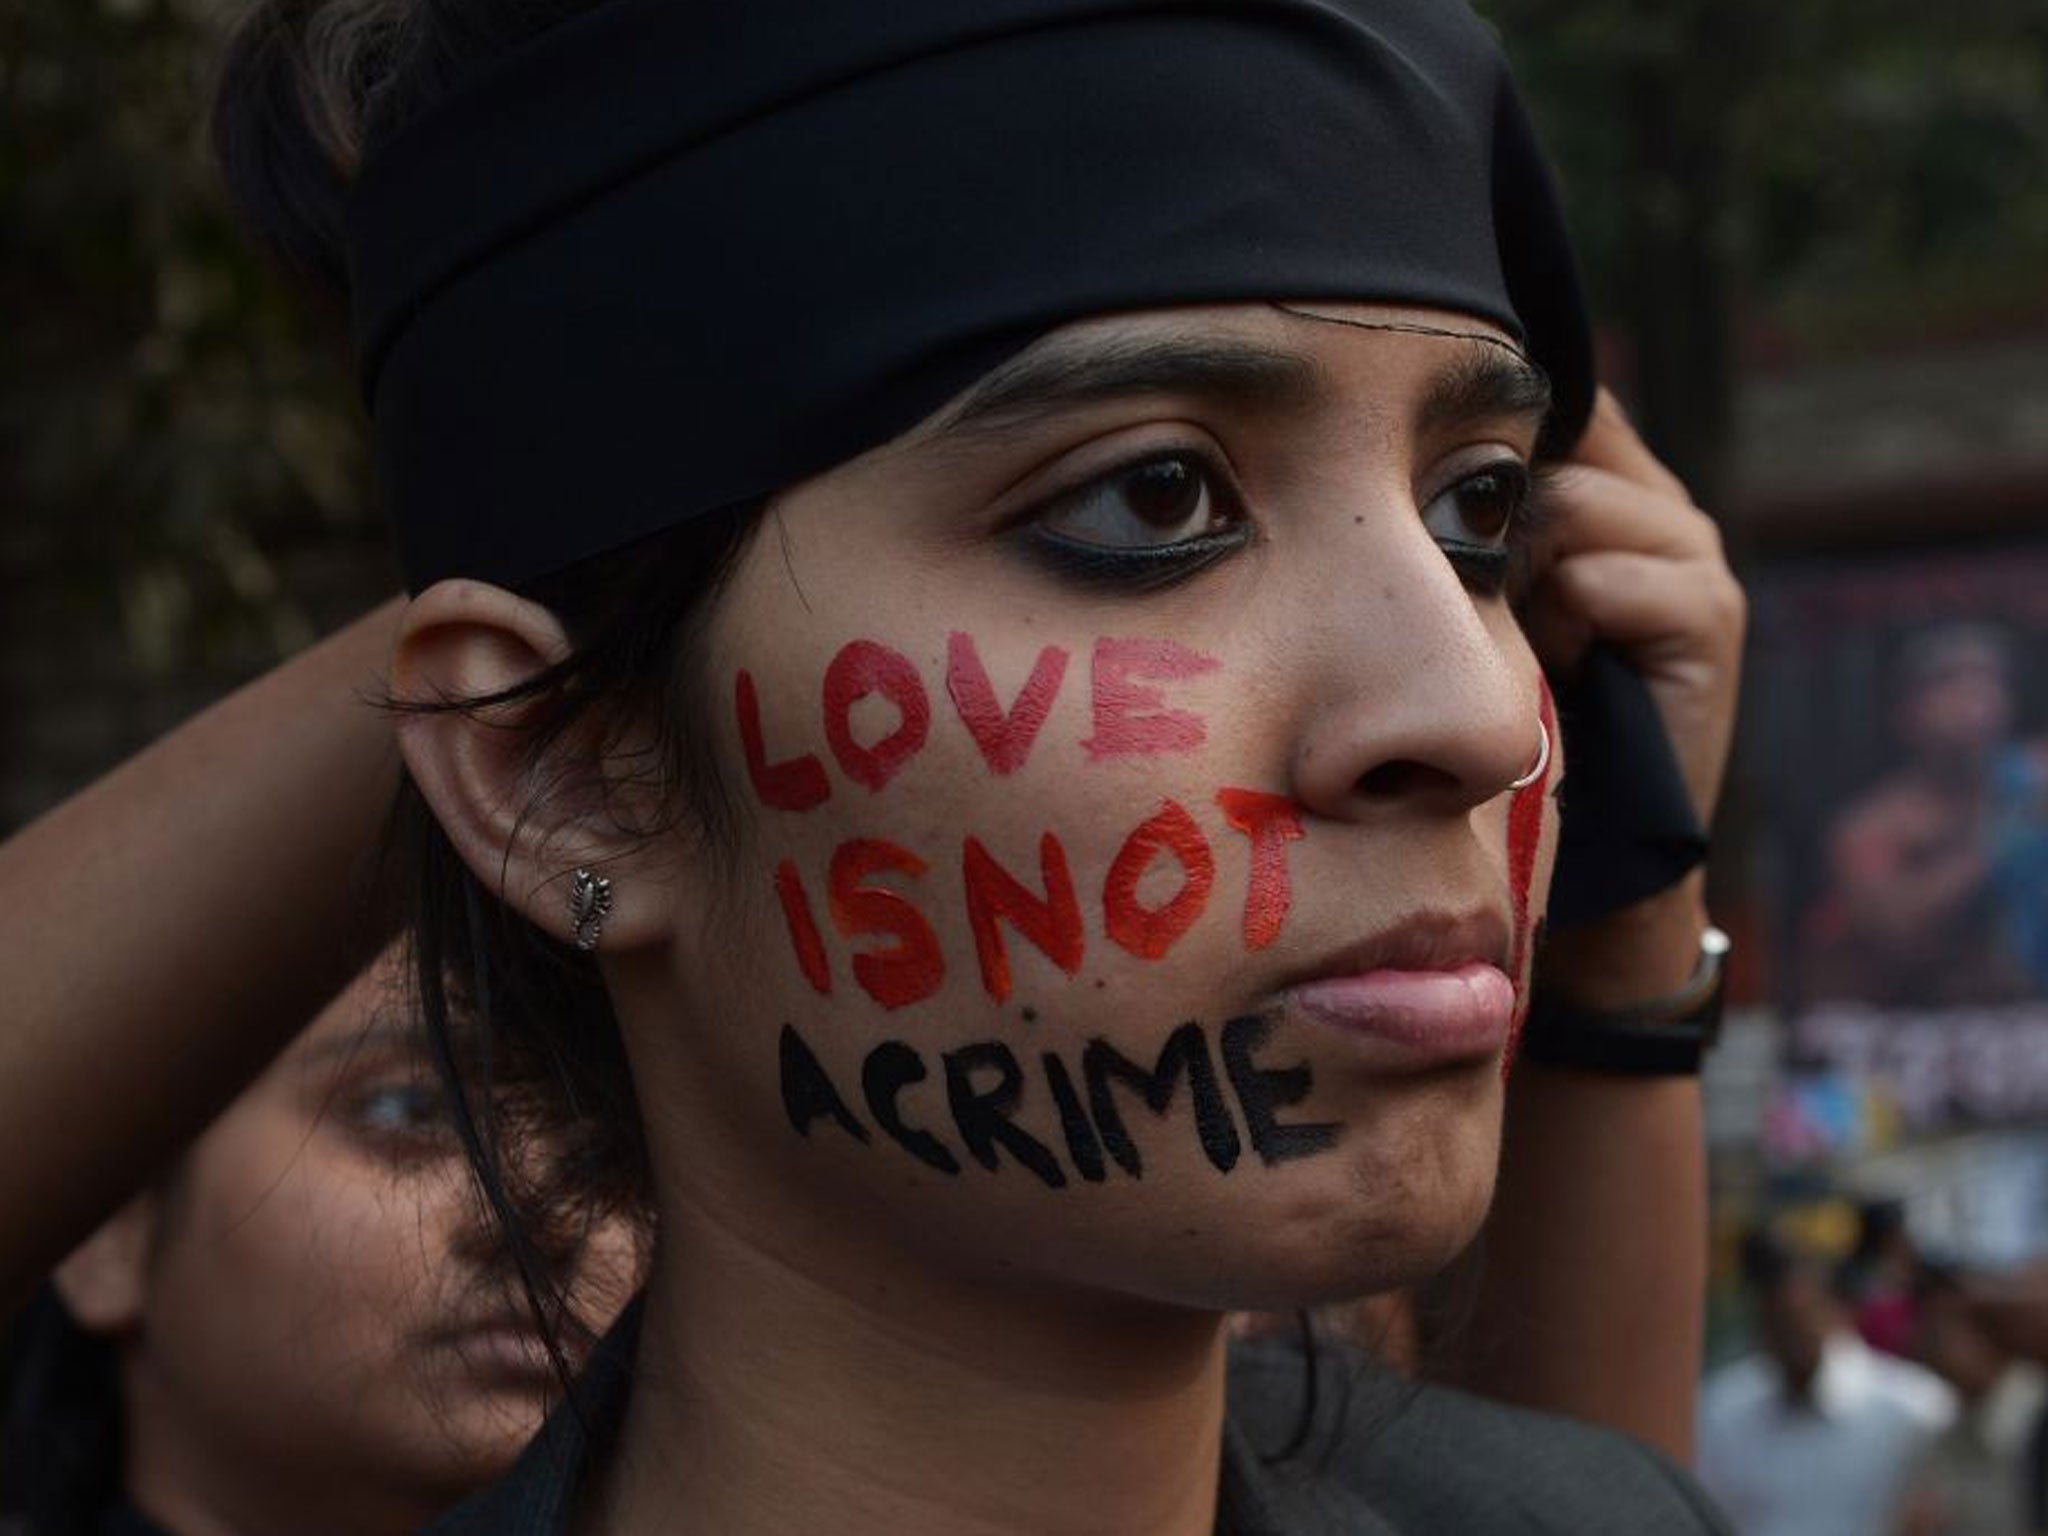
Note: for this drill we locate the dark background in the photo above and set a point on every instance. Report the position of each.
(1816, 232)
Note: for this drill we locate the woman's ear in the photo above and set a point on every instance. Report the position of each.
(523, 829)
(104, 1281)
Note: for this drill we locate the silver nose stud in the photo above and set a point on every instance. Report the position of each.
(1542, 759)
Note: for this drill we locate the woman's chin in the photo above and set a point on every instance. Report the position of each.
(1343, 1267)
(1368, 1227)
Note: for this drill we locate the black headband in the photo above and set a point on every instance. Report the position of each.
(675, 255)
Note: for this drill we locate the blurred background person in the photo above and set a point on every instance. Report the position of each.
(1938, 888)
(1880, 1279)
(1816, 1434)
(306, 1326)
(1981, 1477)
(2009, 1308)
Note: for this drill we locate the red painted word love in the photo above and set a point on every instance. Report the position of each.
(1130, 714)
(911, 966)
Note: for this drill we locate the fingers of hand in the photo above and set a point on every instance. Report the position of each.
(1558, 632)
(1596, 509)
(1681, 624)
(1641, 600)
(1610, 443)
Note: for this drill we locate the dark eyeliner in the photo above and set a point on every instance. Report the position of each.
(1140, 568)
(1503, 569)
(1136, 568)
(1483, 567)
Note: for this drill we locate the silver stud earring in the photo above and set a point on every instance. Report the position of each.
(590, 902)
(1542, 759)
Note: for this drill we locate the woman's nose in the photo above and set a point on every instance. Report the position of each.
(474, 1237)
(1425, 706)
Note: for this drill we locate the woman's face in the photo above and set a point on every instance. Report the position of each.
(1126, 895)
(327, 1332)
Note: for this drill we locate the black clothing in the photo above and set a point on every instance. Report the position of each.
(124, 1519)
(1385, 1457)
(1627, 827)
(1394, 1458)
(664, 260)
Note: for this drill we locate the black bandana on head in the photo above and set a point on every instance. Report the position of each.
(675, 255)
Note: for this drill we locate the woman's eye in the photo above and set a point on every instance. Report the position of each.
(1481, 509)
(1161, 502)
(407, 1113)
(1147, 525)
(1483, 523)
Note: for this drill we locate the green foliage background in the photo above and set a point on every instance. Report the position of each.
(170, 419)
(1829, 176)
(1866, 169)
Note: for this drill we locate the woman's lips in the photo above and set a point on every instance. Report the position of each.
(504, 1351)
(1432, 1016)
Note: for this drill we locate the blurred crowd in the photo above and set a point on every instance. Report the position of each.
(1888, 1392)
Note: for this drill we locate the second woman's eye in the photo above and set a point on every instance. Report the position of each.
(1152, 505)
(404, 1119)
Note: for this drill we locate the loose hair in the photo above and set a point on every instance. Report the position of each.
(517, 1022)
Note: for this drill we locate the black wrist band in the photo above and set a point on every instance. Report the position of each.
(1600, 1043)
(1664, 1038)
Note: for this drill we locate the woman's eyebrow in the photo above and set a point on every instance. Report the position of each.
(1488, 383)
(1070, 372)
(372, 1040)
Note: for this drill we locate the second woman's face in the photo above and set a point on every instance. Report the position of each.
(1130, 891)
(329, 1335)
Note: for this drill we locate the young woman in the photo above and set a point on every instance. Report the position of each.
(307, 1325)
(996, 527)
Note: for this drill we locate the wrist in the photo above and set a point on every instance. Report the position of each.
(1662, 1036)
(1639, 954)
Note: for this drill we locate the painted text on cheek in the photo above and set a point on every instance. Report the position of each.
(1155, 888)
(1044, 909)
(1052, 1115)
(1132, 716)
(1004, 738)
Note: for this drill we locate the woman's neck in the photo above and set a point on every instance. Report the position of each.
(769, 1400)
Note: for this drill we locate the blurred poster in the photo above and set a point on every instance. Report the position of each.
(1901, 720)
